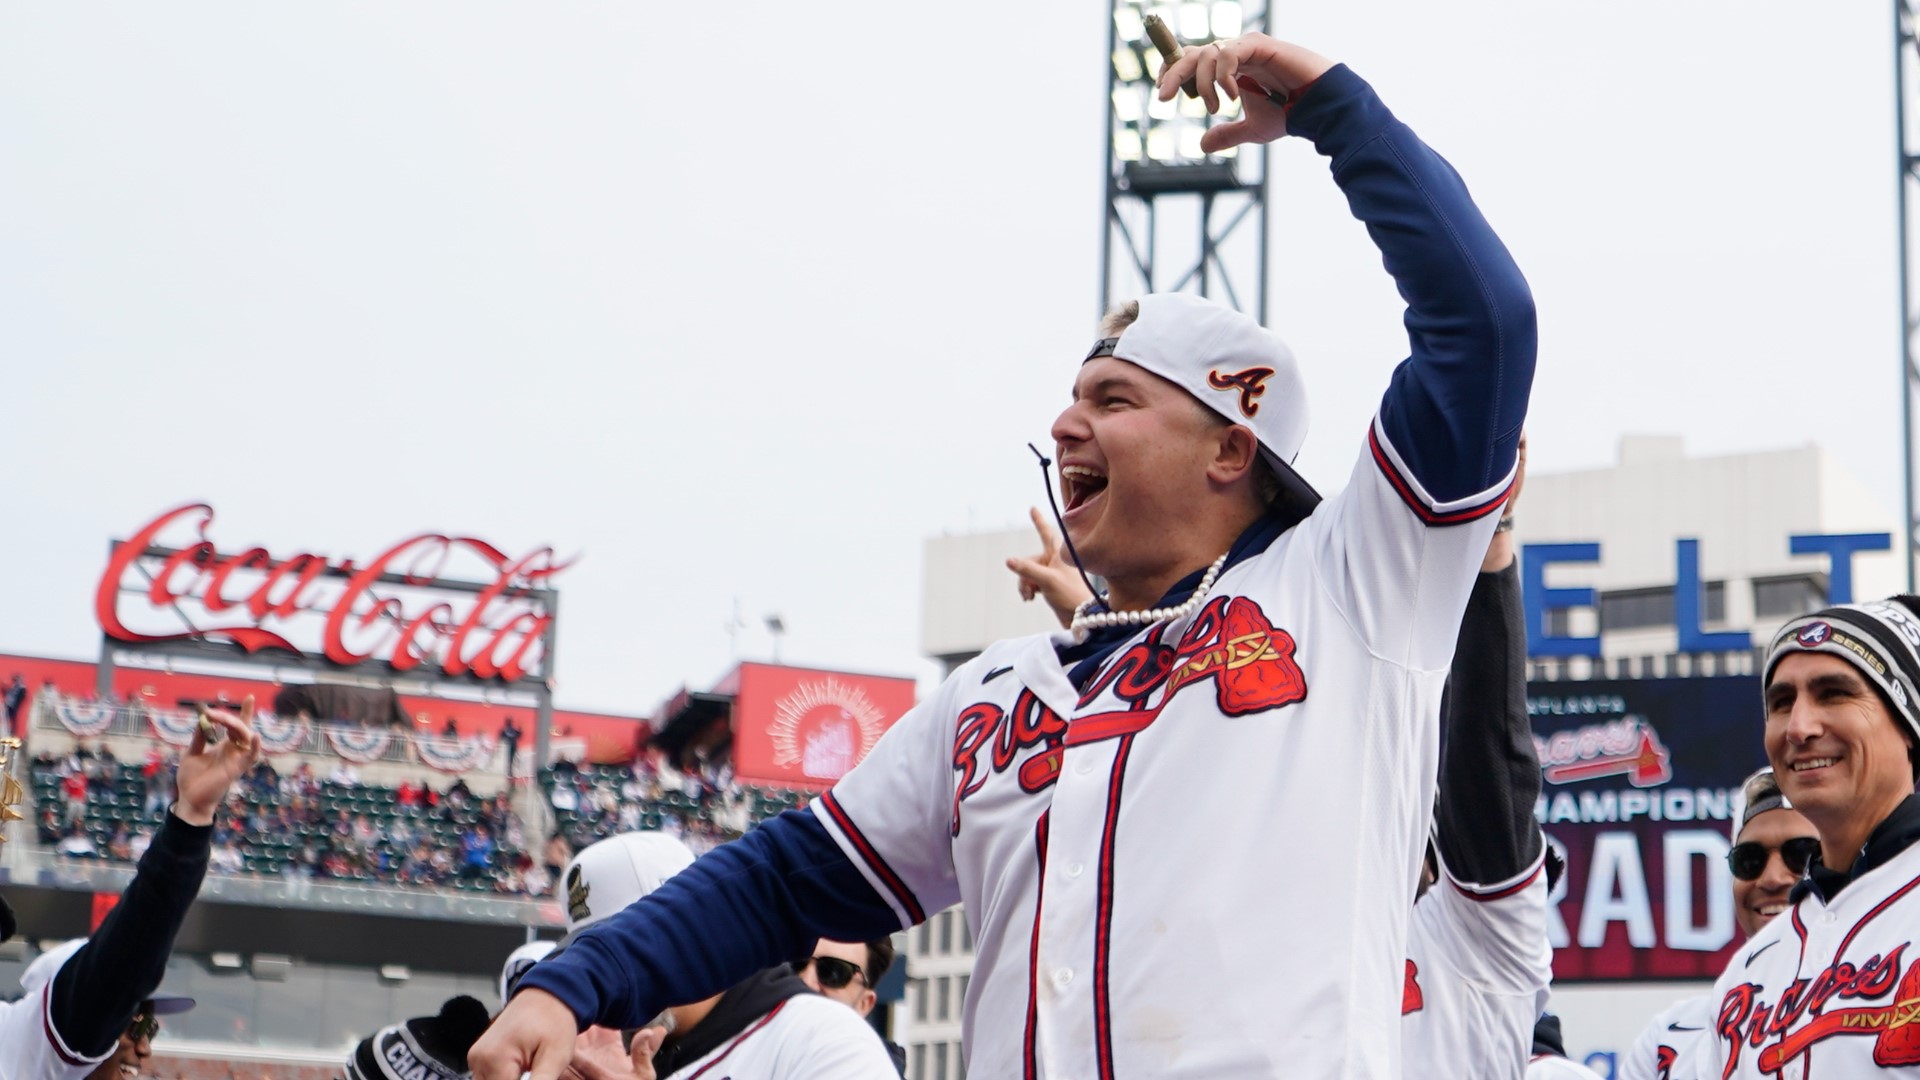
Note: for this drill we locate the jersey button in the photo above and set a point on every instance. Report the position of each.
(1076, 869)
(1062, 977)
(1085, 766)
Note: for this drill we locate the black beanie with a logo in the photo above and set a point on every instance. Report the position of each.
(423, 1048)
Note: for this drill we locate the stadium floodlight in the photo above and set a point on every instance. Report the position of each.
(1159, 179)
(1139, 118)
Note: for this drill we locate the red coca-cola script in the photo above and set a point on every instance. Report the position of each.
(169, 582)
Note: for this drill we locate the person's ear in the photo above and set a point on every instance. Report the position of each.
(1234, 454)
(868, 999)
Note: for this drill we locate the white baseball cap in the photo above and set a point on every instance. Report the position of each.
(519, 961)
(608, 875)
(47, 964)
(1232, 365)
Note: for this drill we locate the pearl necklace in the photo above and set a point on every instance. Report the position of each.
(1086, 619)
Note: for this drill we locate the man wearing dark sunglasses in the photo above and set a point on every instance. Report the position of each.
(1772, 844)
(850, 972)
(847, 971)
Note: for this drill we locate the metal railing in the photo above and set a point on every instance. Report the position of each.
(137, 720)
(47, 869)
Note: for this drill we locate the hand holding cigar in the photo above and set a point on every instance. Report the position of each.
(1231, 79)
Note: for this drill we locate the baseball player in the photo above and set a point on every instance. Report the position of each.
(1830, 988)
(1187, 830)
(1478, 960)
(1772, 845)
(64, 1028)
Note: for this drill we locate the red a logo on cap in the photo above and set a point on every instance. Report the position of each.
(1251, 382)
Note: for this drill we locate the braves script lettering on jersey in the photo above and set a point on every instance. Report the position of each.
(1197, 861)
(1828, 989)
(1675, 1045)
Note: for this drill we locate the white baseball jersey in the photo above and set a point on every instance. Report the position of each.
(1674, 1046)
(1202, 865)
(30, 1049)
(1559, 1068)
(807, 1037)
(1478, 971)
(1827, 990)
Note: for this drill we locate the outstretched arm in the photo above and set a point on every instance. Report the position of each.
(93, 996)
(739, 908)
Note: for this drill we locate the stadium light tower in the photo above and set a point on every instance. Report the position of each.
(1176, 219)
(1906, 112)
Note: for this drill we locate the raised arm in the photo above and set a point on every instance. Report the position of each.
(741, 907)
(1489, 772)
(92, 998)
(1452, 416)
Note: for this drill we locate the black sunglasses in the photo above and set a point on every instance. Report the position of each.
(1749, 860)
(145, 1025)
(835, 973)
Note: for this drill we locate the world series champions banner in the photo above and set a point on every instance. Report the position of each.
(1639, 780)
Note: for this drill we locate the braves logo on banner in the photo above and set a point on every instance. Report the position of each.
(1639, 777)
(1231, 644)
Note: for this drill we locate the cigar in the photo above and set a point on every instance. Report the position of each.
(1170, 53)
(1169, 47)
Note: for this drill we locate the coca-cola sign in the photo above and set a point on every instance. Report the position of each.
(451, 604)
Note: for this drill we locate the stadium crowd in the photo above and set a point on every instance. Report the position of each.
(333, 827)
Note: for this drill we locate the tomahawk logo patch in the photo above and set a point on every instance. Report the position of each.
(1251, 382)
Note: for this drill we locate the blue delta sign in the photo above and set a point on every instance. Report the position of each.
(1839, 548)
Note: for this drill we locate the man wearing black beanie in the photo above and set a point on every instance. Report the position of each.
(423, 1048)
(1829, 987)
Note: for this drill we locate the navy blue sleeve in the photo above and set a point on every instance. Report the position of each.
(1489, 771)
(744, 906)
(95, 992)
(1454, 409)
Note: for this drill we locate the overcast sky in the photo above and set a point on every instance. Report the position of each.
(747, 300)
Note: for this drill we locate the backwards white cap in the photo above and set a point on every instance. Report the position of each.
(1232, 364)
(607, 876)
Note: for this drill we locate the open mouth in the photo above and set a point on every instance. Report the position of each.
(1807, 765)
(1768, 911)
(1080, 485)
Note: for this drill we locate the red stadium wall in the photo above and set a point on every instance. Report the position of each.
(800, 727)
(610, 739)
